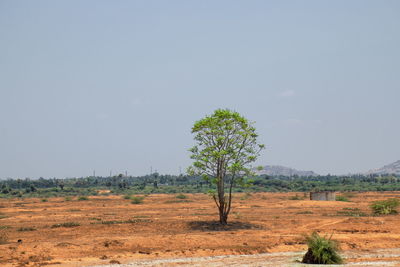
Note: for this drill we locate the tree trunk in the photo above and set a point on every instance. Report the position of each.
(223, 218)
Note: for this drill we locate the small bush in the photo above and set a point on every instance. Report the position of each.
(66, 224)
(44, 200)
(384, 207)
(181, 196)
(137, 200)
(67, 198)
(321, 250)
(342, 198)
(127, 196)
(26, 229)
(83, 198)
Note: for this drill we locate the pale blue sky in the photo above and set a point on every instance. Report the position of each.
(117, 85)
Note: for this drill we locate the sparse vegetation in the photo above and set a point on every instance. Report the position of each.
(352, 212)
(65, 224)
(81, 198)
(26, 229)
(137, 200)
(44, 200)
(296, 197)
(342, 198)
(3, 236)
(67, 198)
(321, 250)
(127, 196)
(181, 196)
(385, 207)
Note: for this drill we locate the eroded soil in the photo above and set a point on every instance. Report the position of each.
(110, 229)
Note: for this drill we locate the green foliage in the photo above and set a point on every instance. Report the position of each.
(44, 200)
(321, 250)
(385, 207)
(342, 198)
(65, 224)
(181, 196)
(82, 198)
(127, 196)
(137, 200)
(226, 143)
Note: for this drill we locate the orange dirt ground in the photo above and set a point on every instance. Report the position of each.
(114, 230)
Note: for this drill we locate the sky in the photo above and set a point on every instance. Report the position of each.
(117, 85)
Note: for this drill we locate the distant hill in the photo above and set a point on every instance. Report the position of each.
(276, 170)
(393, 168)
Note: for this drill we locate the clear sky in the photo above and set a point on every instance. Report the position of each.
(117, 85)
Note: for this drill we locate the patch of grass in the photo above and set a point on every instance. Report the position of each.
(352, 212)
(81, 198)
(305, 212)
(181, 196)
(385, 207)
(178, 201)
(246, 196)
(342, 198)
(321, 250)
(296, 197)
(137, 200)
(3, 227)
(3, 216)
(67, 198)
(127, 197)
(65, 224)
(26, 229)
(122, 221)
(44, 200)
(3, 236)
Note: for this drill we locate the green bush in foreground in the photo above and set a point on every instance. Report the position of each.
(321, 250)
(384, 207)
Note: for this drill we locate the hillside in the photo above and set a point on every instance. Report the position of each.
(393, 168)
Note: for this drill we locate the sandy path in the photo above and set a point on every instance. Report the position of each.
(387, 257)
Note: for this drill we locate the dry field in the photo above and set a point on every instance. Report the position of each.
(110, 229)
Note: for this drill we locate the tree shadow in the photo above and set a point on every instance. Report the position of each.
(207, 226)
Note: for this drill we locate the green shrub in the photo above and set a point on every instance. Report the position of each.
(26, 229)
(44, 200)
(321, 250)
(181, 196)
(83, 198)
(66, 224)
(342, 198)
(384, 207)
(67, 198)
(127, 196)
(137, 200)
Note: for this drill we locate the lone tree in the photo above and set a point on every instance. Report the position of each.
(226, 145)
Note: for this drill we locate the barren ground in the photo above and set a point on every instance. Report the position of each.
(113, 230)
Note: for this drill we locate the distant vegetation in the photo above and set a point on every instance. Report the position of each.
(172, 184)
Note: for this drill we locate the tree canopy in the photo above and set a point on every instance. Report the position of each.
(226, 145)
